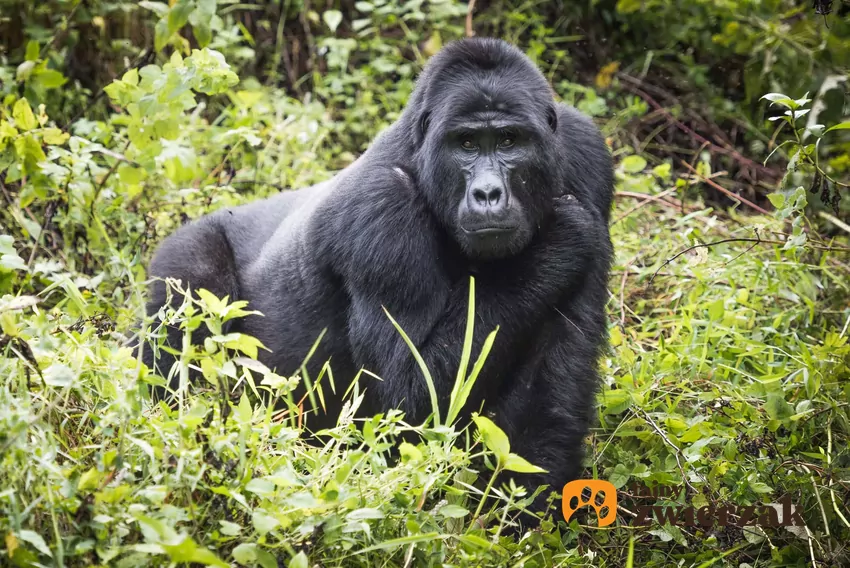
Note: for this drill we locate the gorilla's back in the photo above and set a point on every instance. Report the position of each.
(250, 227)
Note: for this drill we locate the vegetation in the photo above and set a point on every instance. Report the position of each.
(729, 367)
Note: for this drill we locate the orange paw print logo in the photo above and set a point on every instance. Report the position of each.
(602, 497)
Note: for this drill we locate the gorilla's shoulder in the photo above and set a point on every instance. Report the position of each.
(578, 125)
(588, 164)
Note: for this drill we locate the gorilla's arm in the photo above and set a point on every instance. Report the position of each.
(208, 253)
(200, 255)
(550, 412)
(383, 247)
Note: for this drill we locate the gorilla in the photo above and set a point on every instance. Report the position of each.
(483, 175)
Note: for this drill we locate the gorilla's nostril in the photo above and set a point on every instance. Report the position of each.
(480, 196)
(487, 197)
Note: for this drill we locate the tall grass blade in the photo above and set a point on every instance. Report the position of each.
(432, 391)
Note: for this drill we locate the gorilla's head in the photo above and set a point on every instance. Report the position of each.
(484, 121)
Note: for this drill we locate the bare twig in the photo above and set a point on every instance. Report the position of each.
(705, 245)
(48, 216)
(676, 450)
(662, 199)
(649, 198)
(835, 221)
(469, 8)
(725, 191)
(311, 42)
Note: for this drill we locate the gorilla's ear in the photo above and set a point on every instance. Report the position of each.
(424, 121)
(552, 118)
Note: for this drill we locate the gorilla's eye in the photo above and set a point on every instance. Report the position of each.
(506, 142)
(468, 144)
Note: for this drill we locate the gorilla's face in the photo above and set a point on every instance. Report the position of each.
(491, 172)
(492, 157)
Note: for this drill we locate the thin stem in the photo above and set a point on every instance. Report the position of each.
(496, 472)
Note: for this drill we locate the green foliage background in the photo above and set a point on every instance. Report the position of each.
(729, 369)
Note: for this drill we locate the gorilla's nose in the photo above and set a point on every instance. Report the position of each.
(487, 197)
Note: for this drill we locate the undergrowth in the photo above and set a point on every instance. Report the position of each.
(727, 379)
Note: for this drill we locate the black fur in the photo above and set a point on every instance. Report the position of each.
(391, 230)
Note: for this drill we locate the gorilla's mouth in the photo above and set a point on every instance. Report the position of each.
(489, 231)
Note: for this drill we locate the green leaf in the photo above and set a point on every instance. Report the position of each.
(131, 77)
(202, 33)
(429, 381)
(780, 99)
(50, 79)
(161, 34)
(24, 71)
(840, 126)
(776, 199)
(244, 412)
(263, 523)
(22, 113)
(178, 16)
(201, 20)
(9, 258)
(453, 512)
(260, 486)
(716, 310)
(207, 557)
(662, 170)
(33, 50)
(210, 300)
(229, 528)
(59, 375)
(776, 406)
(212, 74)
(760, 487)
(332, 18)
(619, 476)
(54, 136)
(521, 465)
(633, 164)
(299, 561)
(402, 541)
(456, 400)
(206, 7)
(494, 438)
(188, 551)
(36, 540)
(365, 513)
(249, 554)
(409, 452)
(248, 345)
(29, 150)
(130, 175)
(245, 554)
(158, 8)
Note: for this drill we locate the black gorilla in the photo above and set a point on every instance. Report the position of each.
(484, 175)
